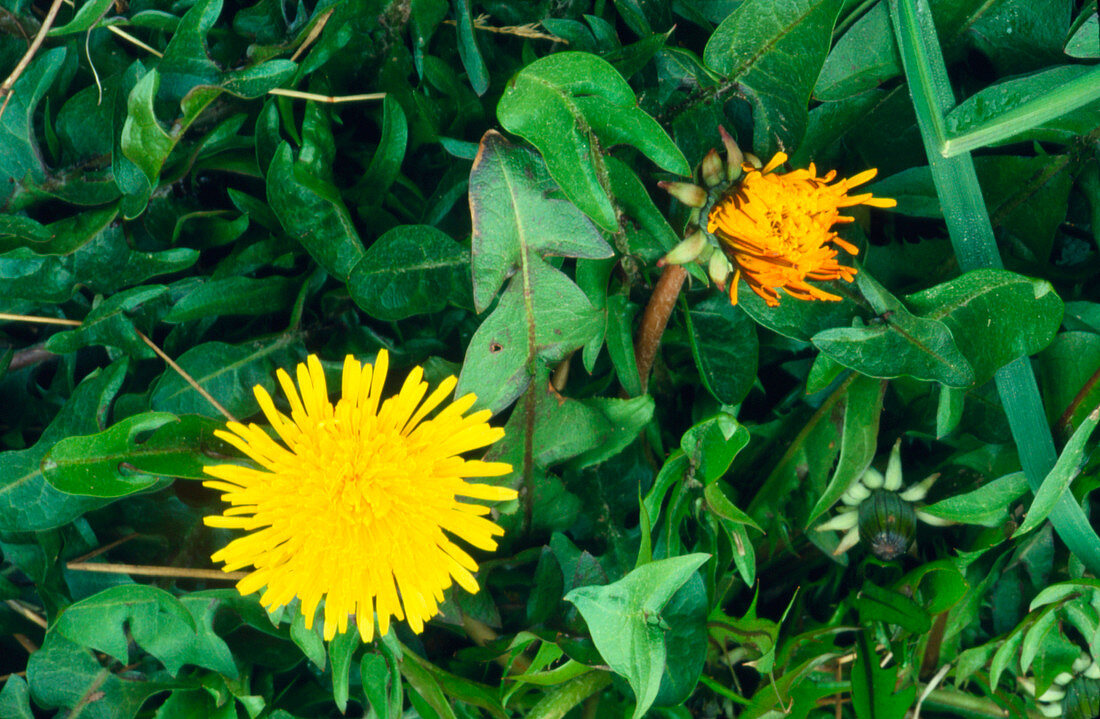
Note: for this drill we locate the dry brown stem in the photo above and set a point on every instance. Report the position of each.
(655, 318)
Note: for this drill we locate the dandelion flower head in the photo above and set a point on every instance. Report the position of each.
(359, 504)
(776, 229)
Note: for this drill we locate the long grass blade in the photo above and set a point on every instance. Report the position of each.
(975, 247)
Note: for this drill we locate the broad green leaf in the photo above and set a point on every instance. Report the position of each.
(459, 689)
(1004, 655)
(174, 632)
(625, 419)
(144, 141)
(719, 503)
(620, 343)
(558, 702)
(235, 296)
(744, 554)
(949, 410)
(62, 237)
(569, 104)
(228, 372)
(340, 652)
(1045, 651)
(685, 642)
(27, 501)
(828, 124)
(863, 406)
(542, 314)
(309, 640)
(186, 62)
(1065, 368)
(800, 320)
(99, 465)
(517, 219)
(897, 343)
(723, 342)
(1062, 590)
(883, 605)
(254, 82)
(21, 161)
(425, 693)
(712, 445)
(105, 264)
(1057, 482)
(625, 621)
(994, 316)
(1018, 36)
(15, 699)
(774, 53)
(63, 674)
(409, 270)
(1055, 653)
(766, 702)
(310, 209)
(1027, 194)
(988, 505)
(938, 583)
(1085, 41)
(385, 164)
(586, 432)
(863, 58)
(110, 323)
(468, 50)
(873, 687)
(87, 16)
(649, 235)
(374, 675)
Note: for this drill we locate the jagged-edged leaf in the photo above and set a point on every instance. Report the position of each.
(542, 313)
(175, 631)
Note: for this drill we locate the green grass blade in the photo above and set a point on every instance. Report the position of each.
(1063, 99)
(972, 238)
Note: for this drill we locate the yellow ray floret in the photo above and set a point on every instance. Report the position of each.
(358, 505)
(776, 229)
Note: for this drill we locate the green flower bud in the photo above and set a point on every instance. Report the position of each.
(1082, 699)
(887, 524)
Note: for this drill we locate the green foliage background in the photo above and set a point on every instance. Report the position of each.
(496, 217)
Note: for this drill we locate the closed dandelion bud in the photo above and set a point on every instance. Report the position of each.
(756, 161)
(719, 269)
(734, 156)
(687, 193)
(1082, 699)
(688, 249)
(887, 524)
(712, 169)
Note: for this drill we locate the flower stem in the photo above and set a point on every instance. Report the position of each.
(655, 318)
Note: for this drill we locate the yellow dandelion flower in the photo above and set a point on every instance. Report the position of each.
(776, 229)
(359, 503)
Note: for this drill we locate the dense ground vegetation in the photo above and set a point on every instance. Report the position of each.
(195, 195)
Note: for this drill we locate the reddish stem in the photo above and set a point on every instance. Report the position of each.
(1066, 420)
(655, 318)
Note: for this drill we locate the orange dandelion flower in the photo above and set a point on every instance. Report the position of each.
(776, 229)
(359, 503)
